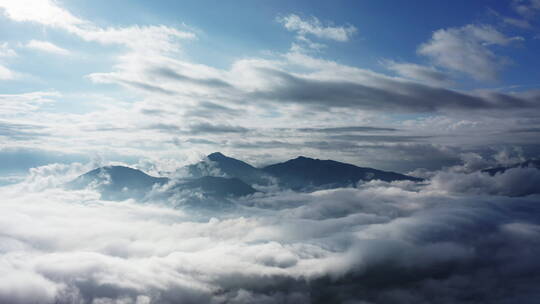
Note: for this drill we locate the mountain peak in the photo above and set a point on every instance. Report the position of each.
(216, 155)
(302, 159)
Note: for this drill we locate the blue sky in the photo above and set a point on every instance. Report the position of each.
(166, 82)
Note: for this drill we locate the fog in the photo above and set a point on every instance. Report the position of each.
(458, 237)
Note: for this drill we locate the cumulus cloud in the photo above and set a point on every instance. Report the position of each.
(47, 46)
(512, 182)
(467, 50)
(315, 27)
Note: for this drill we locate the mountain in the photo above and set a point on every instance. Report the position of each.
(218, 164)
(220, 178)
(305, 172)
(120, 183)
(217, 186)
(533, 163)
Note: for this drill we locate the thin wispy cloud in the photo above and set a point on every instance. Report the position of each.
(46, 46)
(314, 27)
(467, 50)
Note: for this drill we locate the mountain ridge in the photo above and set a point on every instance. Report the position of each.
(223, 177)
(533, 163)
(318, 172)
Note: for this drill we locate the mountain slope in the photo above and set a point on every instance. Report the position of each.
(120, 183)
(217, 186)
(218, 164)
(533, 163)
(304, 172)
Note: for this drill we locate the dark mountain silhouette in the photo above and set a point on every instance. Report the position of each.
(533, 163)
(301, 173)
(304, 172)
(119, 183)
(218, 164)
(233, 179)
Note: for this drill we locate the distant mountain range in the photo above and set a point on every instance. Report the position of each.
(221, 177)
(308, 173)
(120, 183)
(301, 173)
(532, 163)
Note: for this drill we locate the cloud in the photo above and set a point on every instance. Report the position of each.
(513, 182)
(6, 51)
(6, 73)
(313, 26)
(13, 104)
(526, 8)
(45, 12)
(203, 128)
(467, 50)
(275, 102)
(378, 243)
(417, 72)
(199, 128)
(19, 131)
(347, 129)
(21, 159)
(379, 94)
(169, 73)
(47, 46)
(144, 39)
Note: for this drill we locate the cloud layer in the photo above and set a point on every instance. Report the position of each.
(378, 243)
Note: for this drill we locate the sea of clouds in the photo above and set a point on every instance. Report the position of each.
(456, 238)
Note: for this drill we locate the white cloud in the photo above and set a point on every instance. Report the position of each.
(13, 104)
(6, 73)
(47, 46)
(45, 12)
(513, 182)
(526, 8)
(291, 90)
(142, 39)
(328, 246)
(429, 75)
(316, 28)
(467, 49)
(6, 51)
(49, 13)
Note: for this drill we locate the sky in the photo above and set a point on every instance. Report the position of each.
(434, 89)
(381, 84)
